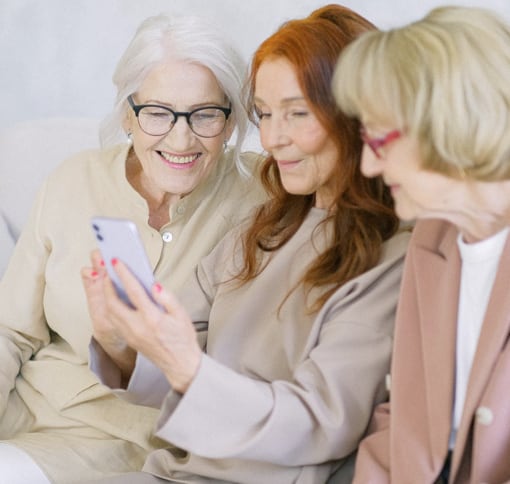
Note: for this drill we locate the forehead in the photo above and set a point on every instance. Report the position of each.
(276, 82)
(178, 82)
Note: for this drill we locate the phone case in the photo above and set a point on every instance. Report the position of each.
(118, 238)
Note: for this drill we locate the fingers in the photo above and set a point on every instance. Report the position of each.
(136, 292)
(97, 260)
(168, 301)
(94, 273)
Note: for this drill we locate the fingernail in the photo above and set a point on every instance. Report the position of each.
(94, 274)
(101, 263)
(114, 261)
(158, 287)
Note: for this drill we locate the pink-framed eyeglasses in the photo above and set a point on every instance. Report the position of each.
(376, 144)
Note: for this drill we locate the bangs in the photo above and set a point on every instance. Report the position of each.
(366, 84)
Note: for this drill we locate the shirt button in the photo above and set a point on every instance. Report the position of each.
(167, 236)
(387, 381)
(180, 209)
(484, 416)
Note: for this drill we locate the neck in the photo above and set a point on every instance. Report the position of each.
(158, 203)
(484, 209)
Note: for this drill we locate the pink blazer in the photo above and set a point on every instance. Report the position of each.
(408, 440)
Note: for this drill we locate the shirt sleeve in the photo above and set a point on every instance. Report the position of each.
(372, 461)
(148, 385)
(23, 328)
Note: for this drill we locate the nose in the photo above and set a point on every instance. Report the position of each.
(371, 166)
(273, 134)
(181, 134)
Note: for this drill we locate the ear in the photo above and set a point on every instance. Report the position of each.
(127, 123)
(229, 128)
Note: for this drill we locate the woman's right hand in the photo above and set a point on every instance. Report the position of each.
(104, 332)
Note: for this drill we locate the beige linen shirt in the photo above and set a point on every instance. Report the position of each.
(74, 425)
(282, 395)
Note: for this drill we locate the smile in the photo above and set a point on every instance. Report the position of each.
(179, 160)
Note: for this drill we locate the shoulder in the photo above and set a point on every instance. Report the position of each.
(238, 190)
(87, 162)
(396, 246)
(430, 234)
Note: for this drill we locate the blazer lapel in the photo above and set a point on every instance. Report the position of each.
(438, 290)
(493, 336)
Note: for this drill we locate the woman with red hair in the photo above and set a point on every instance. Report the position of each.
(294, 309)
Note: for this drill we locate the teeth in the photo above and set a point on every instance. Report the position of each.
(178, 159)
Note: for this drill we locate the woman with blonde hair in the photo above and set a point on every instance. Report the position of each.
(434, 101)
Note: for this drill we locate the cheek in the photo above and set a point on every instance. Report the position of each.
(264, 136)
(213, 148)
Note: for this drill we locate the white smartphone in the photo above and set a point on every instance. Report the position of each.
(118, 238)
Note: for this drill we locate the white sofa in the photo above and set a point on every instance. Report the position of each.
(28, 152)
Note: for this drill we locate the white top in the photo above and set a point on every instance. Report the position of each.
(479, 266)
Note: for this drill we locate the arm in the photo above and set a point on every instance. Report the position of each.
(109, 341)
(318, 415)
(110, 356)
(23, 328)
(122, 336)
(372, 461)
(167, 338)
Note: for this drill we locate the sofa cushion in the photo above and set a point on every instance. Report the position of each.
(29, 151)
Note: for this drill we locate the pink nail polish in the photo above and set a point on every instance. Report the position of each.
(158, 287)
(114, 261)
(94, 274)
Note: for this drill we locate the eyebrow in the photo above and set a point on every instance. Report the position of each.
(192, 106)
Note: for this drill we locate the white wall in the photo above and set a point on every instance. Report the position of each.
(57, 56)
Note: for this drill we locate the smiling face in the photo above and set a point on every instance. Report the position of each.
(289, 130)
(175, 163)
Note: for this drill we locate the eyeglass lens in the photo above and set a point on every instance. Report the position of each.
(206, 122)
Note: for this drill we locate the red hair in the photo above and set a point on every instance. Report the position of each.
(363, 216)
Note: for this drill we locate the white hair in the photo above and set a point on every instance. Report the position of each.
(187, 38)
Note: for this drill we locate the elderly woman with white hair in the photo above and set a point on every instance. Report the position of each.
(434, 100)
(179, 100)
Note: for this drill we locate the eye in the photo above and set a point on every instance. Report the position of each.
(207, 114)
(260, 114)
(299, 114)
(156, 112)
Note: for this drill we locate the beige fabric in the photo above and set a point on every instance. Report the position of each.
(413, 448)
(277, 399)
(50, 401)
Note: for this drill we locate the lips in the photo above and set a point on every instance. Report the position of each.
(287, 163)
(179, 159)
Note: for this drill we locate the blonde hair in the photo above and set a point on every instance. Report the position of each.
(444, 80)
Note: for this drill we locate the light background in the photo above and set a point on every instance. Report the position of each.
(57, 56)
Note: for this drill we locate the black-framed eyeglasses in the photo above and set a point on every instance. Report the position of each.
(376, 144)
(156, 120)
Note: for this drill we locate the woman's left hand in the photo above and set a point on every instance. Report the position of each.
(166, 337)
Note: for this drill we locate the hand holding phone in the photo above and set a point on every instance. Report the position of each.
(118, 238)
